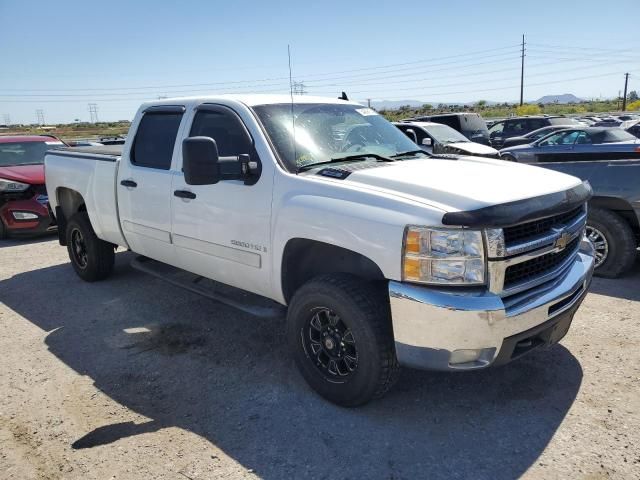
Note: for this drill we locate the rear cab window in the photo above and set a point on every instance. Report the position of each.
(155, 139)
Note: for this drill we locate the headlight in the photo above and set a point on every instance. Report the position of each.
(443, 257)
(12, 186)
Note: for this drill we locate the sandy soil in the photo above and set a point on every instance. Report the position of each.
(131, 378)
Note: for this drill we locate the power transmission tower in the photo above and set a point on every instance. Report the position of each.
(7, 119)
(299, 88)
(624, 99)
(40, 116)
(93, 112)
(369, 102)
(522, 73)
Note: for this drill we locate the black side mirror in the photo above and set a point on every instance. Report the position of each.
(409, 132)
(200, 161)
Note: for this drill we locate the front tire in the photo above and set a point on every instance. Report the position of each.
(613, 240)
(339, 329)
(92, 258)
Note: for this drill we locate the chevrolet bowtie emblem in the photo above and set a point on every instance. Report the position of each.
(563, 240)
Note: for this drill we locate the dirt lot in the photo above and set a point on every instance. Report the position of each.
(131, 379)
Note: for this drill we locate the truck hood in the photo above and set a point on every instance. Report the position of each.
(31, 174)
(454, 183)
(473, 148)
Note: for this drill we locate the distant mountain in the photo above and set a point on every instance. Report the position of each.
(392, 104)
(396, 104)
(564, 98)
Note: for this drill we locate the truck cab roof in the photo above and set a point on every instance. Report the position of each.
(249, 99)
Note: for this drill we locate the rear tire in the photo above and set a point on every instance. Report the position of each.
(339, 329)
(613, 240)
(92, 258)
(3, 231)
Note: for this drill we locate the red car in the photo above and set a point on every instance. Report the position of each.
(24, 204)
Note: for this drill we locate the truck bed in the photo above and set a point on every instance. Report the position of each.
(91, 173)
(108, 150)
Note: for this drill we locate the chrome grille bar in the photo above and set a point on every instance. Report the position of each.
(502, 256)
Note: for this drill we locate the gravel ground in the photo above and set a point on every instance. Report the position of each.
(132, 378)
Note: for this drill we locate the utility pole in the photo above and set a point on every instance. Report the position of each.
(299, 88)
(369, 102)
(40, 116)
(93, 112)
(624, 99)
(618, 100)
(522, 73)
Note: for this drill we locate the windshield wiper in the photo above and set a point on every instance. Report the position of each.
(348, 158)
(409, 152)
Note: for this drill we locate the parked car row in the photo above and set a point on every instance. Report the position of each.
(603, 155)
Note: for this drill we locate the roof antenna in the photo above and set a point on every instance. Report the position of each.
(293, 118)
(343, 96)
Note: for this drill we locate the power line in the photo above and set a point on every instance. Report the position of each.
(318, 75)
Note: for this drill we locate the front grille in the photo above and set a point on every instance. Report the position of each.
(528, 230)
(539, 266)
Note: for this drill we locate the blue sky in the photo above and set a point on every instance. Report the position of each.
(59, 56)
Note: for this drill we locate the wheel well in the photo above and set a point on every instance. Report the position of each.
(70, 202)
(620, 206)
(305, 259)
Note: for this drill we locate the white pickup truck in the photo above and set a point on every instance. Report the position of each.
(384, 255)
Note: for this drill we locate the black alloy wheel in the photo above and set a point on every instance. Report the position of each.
(330, 343)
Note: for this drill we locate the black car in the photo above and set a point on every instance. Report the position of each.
(519, 126)
(471, 125)
(532, 136)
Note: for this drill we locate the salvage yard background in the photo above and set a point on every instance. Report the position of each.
(131, 378)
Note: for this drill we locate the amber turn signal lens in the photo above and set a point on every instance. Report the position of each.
(412, 242)
(411, 268)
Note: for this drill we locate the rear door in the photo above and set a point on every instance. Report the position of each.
(144, 183)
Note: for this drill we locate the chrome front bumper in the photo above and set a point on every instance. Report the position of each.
(450, 329)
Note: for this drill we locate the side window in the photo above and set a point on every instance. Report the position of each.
(225, 128)
(420, 135)
(552, 140)
(569, 138)
(155, 139)
(535, 124)
(583, 138)
(496, 129)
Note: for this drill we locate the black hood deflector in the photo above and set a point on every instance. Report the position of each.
(520, 211)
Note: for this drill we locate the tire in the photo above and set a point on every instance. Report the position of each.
(362, 331)
(613, 240)
(92, 258)
(508, 158)
(3, 231)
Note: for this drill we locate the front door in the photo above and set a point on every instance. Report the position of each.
(223, 231)
(144, 183)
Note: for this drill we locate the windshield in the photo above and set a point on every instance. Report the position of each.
(445, 134)
(325, 132)
(25, 153)
(473, 126)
